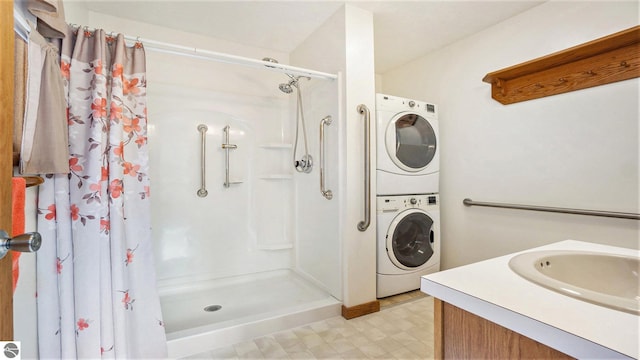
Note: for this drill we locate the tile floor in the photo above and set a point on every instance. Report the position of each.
(403, 329)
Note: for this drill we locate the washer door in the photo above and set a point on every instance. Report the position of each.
(410, 239)
(411, 142)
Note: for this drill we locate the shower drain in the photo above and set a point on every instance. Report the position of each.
(212, 308)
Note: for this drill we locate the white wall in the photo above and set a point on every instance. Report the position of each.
(577, 150)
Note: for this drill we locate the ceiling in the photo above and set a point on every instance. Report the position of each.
(403, 30)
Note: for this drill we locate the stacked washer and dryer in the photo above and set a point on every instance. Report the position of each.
(408, 204)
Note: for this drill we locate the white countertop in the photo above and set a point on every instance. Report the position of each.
(490, 289)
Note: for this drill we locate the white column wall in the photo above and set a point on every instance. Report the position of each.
(359, 247)
(577, 150)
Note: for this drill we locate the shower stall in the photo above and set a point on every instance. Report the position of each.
(244, 243)
(268, 247)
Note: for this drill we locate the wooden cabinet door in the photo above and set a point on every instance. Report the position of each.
(6, 161)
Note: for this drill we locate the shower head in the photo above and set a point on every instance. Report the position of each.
(286, 88)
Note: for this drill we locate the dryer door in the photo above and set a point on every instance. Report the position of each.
(410, 239)
(411, 142)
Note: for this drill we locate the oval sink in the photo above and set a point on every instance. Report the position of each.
(599, 278)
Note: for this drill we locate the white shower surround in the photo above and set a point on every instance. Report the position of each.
(223, 233)
(248, 227)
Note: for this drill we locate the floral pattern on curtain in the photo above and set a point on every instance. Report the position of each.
(97, 295)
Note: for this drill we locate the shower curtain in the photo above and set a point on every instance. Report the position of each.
(96, 285)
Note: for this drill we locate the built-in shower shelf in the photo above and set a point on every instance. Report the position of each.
(276, 146)
(282, 246)
(277, 177)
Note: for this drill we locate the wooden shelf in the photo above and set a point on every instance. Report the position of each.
(602, 61)
(33, 180)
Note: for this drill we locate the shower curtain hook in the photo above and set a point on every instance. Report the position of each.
(88, 33)
(110, 38)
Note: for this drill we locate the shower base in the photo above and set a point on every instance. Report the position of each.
(239, 309)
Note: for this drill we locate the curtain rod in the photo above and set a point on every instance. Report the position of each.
(22, 28)
(20, 25)
(228, 58)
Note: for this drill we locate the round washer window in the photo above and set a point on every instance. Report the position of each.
(412, 240)
(415, 142)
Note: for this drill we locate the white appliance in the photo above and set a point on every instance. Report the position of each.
(408, 237)
(407, 146)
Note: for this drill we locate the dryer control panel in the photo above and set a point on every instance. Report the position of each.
(401, 202)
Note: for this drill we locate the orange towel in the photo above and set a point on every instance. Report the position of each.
(19, 186)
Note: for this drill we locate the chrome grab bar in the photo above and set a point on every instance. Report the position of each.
(202, 128)
(612, 214)
(326, 193)
(363, 225)
(226, 146)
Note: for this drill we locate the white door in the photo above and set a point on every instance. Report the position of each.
(411, 239)
(411, 142)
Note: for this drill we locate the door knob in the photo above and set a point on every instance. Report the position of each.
(28, 242)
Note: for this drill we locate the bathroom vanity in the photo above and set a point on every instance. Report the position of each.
(486, 310)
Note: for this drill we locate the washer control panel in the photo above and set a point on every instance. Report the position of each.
(401, 202)
(388, 102)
